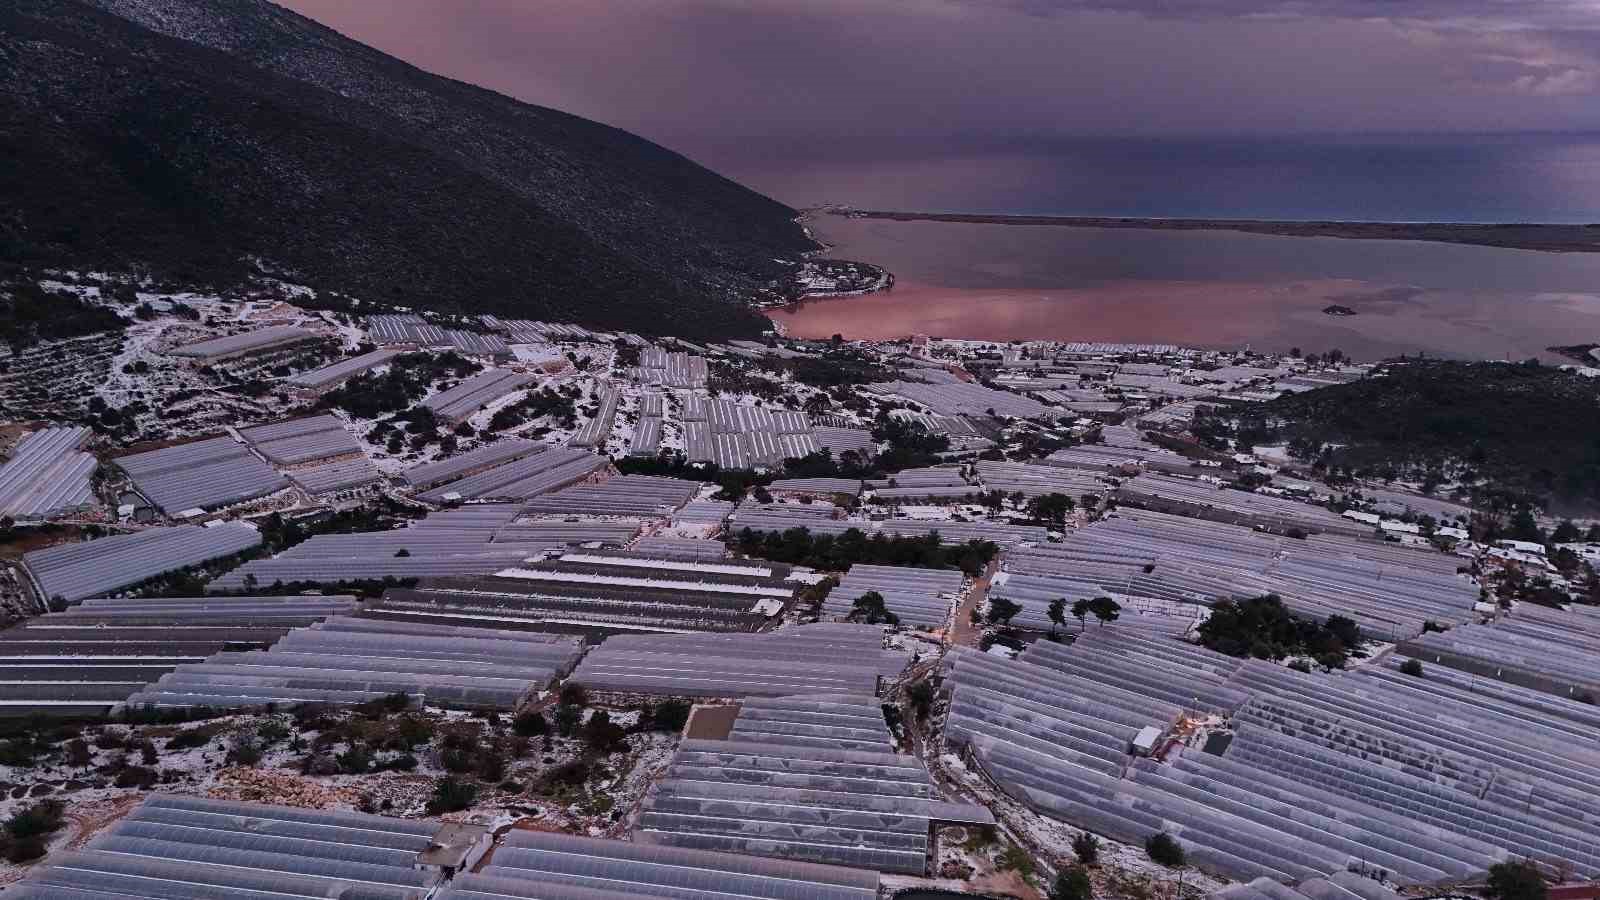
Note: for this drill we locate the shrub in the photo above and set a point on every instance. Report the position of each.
(530, 724)
(356, 760)
(39, 819)
(79, 756)
(1515, 881)
(450, 795)
(491, 765)
(21, 850)
(567, 719)
(136, 777)
(188, 740)
(245, 751)
(668, 715)
(1072, 883)
(1015, 859)
(601, 734)
(1087, 848)
(921, 697)
(1163, 849)
(1412, 667)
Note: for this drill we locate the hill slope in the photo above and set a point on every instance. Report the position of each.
(1525, 430)
(191, 135)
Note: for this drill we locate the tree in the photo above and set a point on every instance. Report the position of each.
(1412, 667)
(601, 734)
(451, 795)
(1072, 883)
(530, 724)
(1050, 507)
(1105, 609)
(668, 715)
(567, 719)
(870, 609)
(1002, 611)
(1057, 613)
(1087, 848)
(1080, 611)
(1162, 848)
(921, 696)
(1515, 881)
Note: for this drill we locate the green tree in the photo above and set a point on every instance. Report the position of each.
(1057, 613)
(1087, 848)
(1072, 883)
(1080, 611)
(1163, 849)
(530, 724)
(451, 795)
(1002, 611)
(601, 734)
(1105, 609)
(1051, 507)
(870, 609)
(668, 715)
(1515, 881)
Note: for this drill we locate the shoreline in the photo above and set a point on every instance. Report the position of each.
(1535, 237)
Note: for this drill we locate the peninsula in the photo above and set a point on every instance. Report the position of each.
(1512, 236)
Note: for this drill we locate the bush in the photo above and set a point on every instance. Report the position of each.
(1087, 848)
(530, 724)
(21, 850)
(601, 734)
(1515, 881)
(1072, 883)
(136, 777)
(1163, 849)
(1015, 859)
(188, 740)
(491, 765)
(245, 751)
(668, 715)
(356, 760)
(40, 819)
(1412, 667)
(921, 696)
(450, 795)
(567, 718)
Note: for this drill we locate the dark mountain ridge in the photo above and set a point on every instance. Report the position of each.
(194, 139)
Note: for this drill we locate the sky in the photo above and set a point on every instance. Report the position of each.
(730, 81)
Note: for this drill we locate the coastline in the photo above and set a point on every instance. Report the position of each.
(1537, 237)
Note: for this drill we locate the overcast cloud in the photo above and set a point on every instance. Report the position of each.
(715, 78)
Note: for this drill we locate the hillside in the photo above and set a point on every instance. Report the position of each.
(1524, 429)
(190, 137)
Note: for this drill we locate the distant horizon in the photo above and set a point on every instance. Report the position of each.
(1537, 178)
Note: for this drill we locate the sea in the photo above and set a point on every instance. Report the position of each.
(1215, 288)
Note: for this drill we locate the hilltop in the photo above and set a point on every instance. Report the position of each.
(205, 142)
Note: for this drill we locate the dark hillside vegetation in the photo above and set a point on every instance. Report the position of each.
(29, 314)
(1521, 431)
(244, 132)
